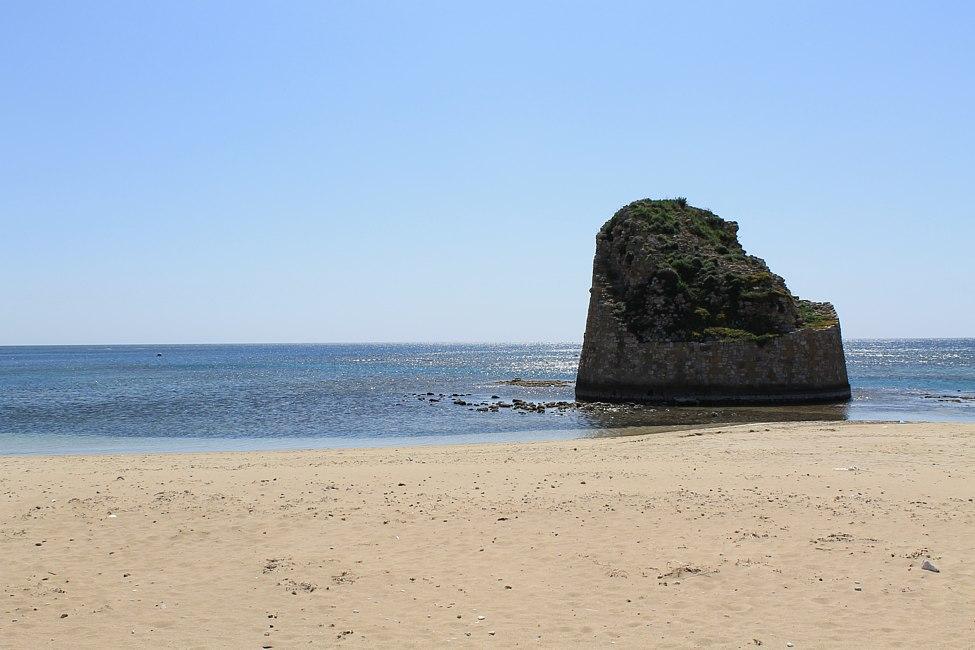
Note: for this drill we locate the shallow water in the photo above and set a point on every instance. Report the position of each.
(226, 397)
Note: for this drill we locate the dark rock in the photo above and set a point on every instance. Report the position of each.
(679, 313)
(535, 383)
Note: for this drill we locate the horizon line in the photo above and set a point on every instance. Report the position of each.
(470, 342)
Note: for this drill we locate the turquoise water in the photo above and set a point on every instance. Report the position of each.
(210, 397)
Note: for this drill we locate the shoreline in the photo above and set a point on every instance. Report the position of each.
(406, 443)
(527, 436)
(809, 533)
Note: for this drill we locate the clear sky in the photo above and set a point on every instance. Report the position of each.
(409, 171)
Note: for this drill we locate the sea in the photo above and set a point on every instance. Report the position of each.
(179, 398)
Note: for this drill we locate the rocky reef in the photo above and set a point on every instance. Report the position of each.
(680, 313)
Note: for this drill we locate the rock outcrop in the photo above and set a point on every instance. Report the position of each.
(679, 313)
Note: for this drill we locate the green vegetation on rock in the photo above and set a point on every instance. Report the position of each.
(675, 272)
(817, 315)
(731, 334)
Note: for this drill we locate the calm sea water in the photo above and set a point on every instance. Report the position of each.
(197, 397)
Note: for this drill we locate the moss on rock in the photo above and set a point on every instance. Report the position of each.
(676, 272)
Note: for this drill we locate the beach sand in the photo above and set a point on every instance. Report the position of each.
(811, 534)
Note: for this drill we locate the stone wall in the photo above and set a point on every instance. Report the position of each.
(806, 365)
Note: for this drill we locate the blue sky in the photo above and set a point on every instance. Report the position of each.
(279, 172)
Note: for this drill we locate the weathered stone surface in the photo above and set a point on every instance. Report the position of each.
(679, 313)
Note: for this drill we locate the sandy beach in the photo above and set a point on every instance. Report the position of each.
(811, 534)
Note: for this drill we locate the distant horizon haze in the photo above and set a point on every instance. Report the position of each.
(403, 343)
(217, 172)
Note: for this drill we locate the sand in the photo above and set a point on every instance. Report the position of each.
(811, 534)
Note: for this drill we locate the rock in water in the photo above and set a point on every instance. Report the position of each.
(679, 313)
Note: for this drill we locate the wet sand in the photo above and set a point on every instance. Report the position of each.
(804, 533)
